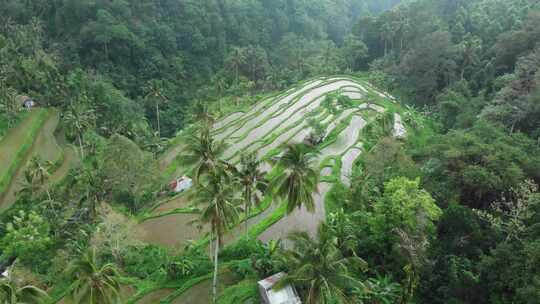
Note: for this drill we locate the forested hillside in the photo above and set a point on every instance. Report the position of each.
(402, 137)
(185, 49)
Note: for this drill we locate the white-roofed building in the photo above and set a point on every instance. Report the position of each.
(285, 295)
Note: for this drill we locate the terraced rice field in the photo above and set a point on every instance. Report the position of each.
(270, 123)
(45, 145)
(267, 125)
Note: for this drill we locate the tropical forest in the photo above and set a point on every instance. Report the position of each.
(269, 151)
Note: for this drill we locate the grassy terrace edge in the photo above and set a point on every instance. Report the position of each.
(23, 149)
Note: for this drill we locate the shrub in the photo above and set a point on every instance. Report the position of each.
(142, 262)
(192, 263)
(27, 238)
(241, 249)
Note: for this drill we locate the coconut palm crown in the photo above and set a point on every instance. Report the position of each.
(298, 179)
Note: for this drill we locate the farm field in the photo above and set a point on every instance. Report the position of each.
(264, 129)
(34, 137)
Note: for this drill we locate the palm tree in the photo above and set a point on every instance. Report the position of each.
(252, 181)
(154, 143)
(37, 172)
(90, 185)
(298, 180)
(319, 269)
(78, 119)
(219, 205)
(12, 293)
(202, 152)
(200, 113)
(235, 60)
(154, 90)
(94, 284)
(8, 102)
(342, 226)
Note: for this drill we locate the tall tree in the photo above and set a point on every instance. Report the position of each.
(215, 196)
(252, 182)
(354, 51)
(154, 92)
(235, 61)
(319, 268)
(298, 180)
(38, 173)
(202, 152)
(79, 118)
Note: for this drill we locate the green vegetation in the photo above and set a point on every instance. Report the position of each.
(148, 91)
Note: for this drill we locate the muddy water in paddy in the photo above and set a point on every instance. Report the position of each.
(202, 292)
(269, 112)
(287, 136)
(326, 171)
(220, 124)
(353, 95)
(306, 103)
(279, 140)
(172, 230)
(175, 203)
(240, 229)
(299, 219)
(346, 164)
(346, 138)
(342, 116)
(155, 297)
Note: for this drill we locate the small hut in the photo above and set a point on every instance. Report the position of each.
(180, 184)
(285, 295)
(26, 102)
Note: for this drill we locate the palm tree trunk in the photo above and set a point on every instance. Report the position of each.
(215, 281)
(81, 145)
(246, 220)
(237, 73)
(157, 116)
(513, 126)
